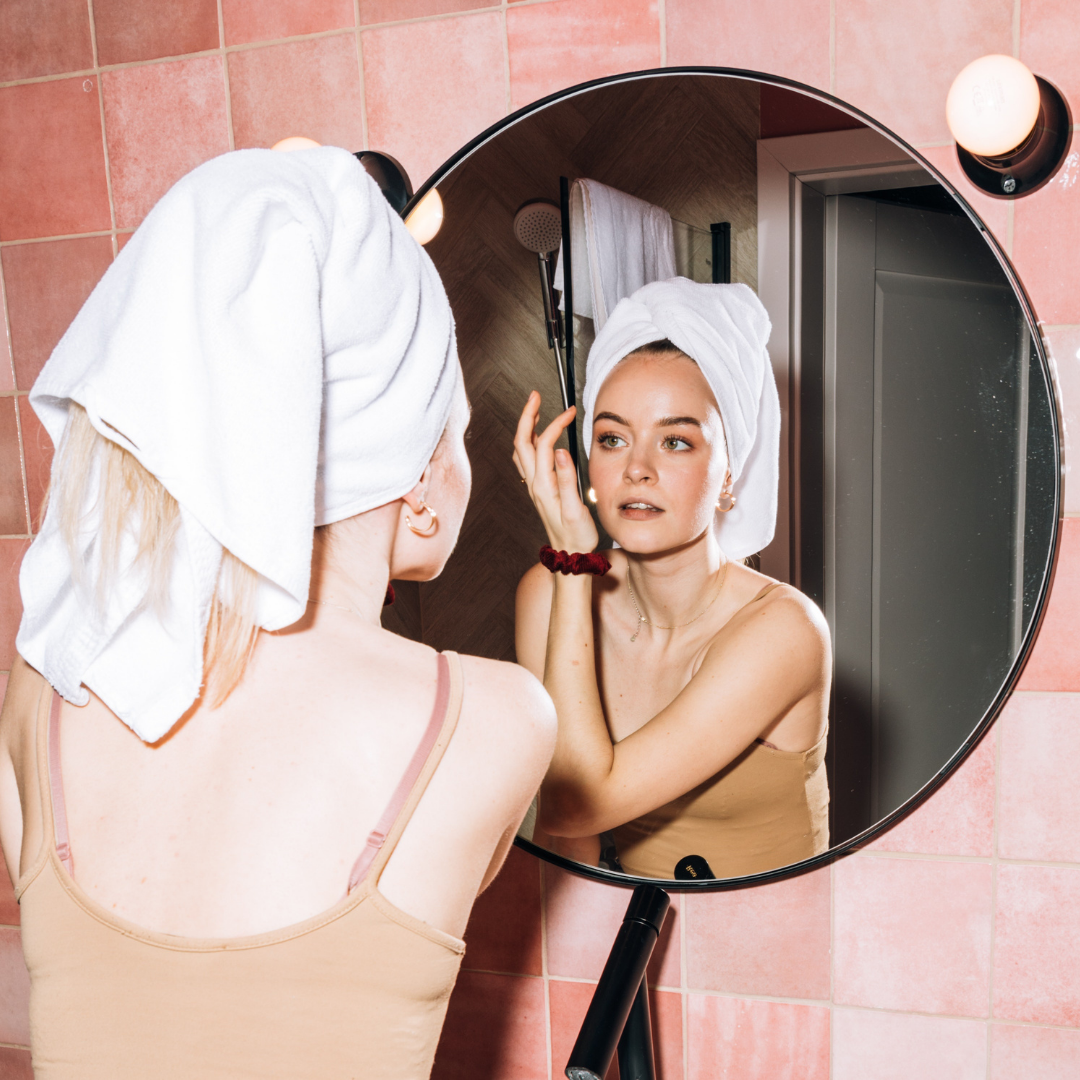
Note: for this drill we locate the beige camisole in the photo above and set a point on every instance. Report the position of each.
(359, 991)
(767, 808)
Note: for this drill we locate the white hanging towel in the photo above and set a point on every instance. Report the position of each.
(279, 352)
(618, 244)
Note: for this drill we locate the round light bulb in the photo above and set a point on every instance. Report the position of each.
(592, 495)
(426, 218)
(992, 105)
(296, 142)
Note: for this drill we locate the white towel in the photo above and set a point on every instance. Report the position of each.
(725, 329)
(618, 244)
(279, 352)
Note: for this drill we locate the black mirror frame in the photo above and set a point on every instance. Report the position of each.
(861, 839)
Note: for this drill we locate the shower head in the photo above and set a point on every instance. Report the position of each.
(538, 226)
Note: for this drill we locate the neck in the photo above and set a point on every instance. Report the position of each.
(672, 586)
(350, 566)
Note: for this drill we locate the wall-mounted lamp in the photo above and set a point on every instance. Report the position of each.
(426, 217)
(1012, 128)
(295, 142)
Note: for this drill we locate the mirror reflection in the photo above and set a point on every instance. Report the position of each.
(812, 435)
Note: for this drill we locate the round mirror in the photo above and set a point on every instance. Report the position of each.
(918, 491)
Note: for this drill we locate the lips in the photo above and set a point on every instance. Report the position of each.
(639, 510)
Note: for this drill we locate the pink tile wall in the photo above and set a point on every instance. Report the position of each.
(949, 947)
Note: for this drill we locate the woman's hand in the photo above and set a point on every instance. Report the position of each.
(552, 480)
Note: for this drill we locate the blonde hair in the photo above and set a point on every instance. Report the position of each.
(132, 501)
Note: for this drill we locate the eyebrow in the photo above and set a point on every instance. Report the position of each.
(676, 421)
(610, 416)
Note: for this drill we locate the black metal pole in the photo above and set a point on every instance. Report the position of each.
(622, 979)
(636, 1060)
(721, 252)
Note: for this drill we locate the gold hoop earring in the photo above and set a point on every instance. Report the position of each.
(428, 530)
(726, 502)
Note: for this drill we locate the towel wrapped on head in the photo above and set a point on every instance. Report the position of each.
(724, 329)
(279, 352)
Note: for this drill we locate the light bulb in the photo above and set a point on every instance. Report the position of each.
(993, 105)
(592, 495)
(426, 217)
(296, 142)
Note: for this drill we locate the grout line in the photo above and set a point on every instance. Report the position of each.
(832, 960)
(544, 964)
(225, 75)
(661, 11)
(10, 1045)
(993, 885)
(832, 46)
(817, 1003)
(17, 536)
(20, 439)
(363, 88)
(684, 985)
(1010, 220)
(6, 317)
(65, 236)
(506, 55)
(1016, 29)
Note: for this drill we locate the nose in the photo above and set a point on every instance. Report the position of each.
(639, 466)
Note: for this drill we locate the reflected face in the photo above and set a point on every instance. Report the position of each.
(658, 458)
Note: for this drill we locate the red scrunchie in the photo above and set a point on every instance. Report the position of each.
(578, 562)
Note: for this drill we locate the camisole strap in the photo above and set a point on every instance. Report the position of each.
(56, 787)
(383, 838)
(765, 592)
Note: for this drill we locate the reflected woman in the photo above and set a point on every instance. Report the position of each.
(692, 691)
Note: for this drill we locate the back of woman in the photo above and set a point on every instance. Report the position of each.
(247, 838)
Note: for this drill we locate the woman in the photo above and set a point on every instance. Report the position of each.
(692, 691)
(247, 838)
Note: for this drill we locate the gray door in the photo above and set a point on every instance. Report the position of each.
(924, 413)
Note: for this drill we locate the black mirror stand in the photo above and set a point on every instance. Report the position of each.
(618, 1015)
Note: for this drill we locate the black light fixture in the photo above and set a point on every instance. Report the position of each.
(390, 175)
(1012, 128)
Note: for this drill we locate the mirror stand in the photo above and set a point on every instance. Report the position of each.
(618, 1014)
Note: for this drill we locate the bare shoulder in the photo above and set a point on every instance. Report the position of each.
(784, 624)
(510, 705)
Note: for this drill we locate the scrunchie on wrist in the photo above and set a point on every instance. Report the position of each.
(577, 562)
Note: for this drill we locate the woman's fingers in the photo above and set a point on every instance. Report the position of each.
(525, 440)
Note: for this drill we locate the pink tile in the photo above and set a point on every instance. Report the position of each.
(12, 503)
(1055, 659)
(266, 20)
(46, 285)
(145, 29)
(912, 935)
(14, 990)
(161, 120)
(569, 1003)
(583, 918)
(958, 819)
(307, 88)
(994, 212)
(666, 1009)
(52, 170)
(1039, 799)
(897, 61)
(11, 553)
(894, 1046)
(43, 37)
(1064, 348)
(1045, 240)
(1048, 41)
(15, 1064)
(379, 11)
(560, 44)
(731, 33)
(1034, 1053)
(504, 927)
(771, 940)
(495, 1027)
(9, 906)
(37, 455)
(1037, 945)
(733, 1039)
(431, 86)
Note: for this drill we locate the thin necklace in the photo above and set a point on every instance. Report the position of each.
(656, 626)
